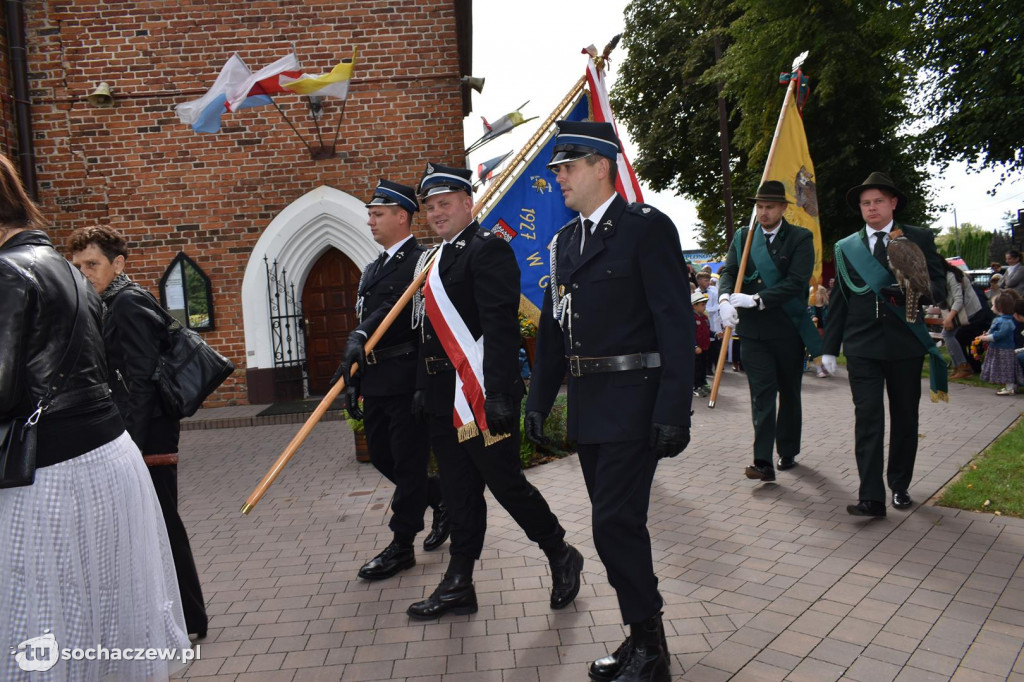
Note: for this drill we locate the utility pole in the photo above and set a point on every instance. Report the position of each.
(956, 235)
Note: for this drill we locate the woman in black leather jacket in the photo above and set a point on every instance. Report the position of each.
(135, 333)
(84, 555)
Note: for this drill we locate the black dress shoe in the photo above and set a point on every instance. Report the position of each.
(455, 593)
(786, 463)
(393, 559)
(866, 508)
(761, 472)
(440, 529)
(901, 499)
(565, 577)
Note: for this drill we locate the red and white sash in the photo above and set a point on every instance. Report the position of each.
(466, 355)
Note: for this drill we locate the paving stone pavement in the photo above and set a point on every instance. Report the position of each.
(760, 581)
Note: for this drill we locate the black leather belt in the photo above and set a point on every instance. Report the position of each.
(435, 365)
(613, 363)
(63, 401)
(376, 355)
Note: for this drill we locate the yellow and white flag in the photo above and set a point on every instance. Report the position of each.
(333, 84)
(791, 165)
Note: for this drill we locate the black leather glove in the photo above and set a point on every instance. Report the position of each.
(353, 353)
(419, 406)
(500, 411)
(352, 399)
(668, 440)
(533, 428)
(894, 295)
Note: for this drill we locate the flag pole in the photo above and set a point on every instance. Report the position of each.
(335, 390)
(548, 122)
(289, 122)
(741, 271)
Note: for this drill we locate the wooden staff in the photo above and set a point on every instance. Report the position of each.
(337, 388)
(741, 271)
(396, 310)
(333, 393)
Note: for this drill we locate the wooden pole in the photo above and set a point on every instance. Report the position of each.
(727, 332)
(332, 394)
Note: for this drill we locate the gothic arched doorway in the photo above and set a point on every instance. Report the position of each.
(329, 306)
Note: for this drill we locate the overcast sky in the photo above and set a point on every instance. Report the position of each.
(530, 50)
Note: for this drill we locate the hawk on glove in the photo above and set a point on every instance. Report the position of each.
(907, 262)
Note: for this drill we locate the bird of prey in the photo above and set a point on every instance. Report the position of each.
(907, 262)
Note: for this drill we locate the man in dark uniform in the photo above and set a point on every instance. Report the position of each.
(399, 446)
(770, 315)
(883, 352)
(618, 318)
(470, 386)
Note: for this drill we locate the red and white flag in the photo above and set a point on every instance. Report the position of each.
(466, 355)
(626, 184)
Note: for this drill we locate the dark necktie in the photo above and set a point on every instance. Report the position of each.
(879, 250)
(380, 262)
(768, 236)
(588, 231)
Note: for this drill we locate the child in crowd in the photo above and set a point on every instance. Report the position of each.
(699, 300)
(1001, 366)
(1018, 336)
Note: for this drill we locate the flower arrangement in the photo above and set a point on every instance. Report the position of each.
(527, 329)
(977, 349)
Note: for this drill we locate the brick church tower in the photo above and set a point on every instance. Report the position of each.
(242, 232)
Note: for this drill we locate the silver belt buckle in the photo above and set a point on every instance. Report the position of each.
(371, 357)
(574, 366)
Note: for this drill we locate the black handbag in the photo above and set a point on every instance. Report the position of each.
(188, 371)
(18, 435)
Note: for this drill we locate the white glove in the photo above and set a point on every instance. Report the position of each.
(742, 301)
(729, 316)
(828, 363)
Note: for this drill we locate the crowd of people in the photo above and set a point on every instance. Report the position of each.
(446, 377)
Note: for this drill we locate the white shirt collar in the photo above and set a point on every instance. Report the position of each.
(871, 231)
(773, 231)
(395, 247)
(456, 237)
(596, 216)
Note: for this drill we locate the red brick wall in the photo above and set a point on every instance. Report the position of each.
(136, 168)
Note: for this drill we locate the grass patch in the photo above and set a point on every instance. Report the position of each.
(994, 481)
(974, 380)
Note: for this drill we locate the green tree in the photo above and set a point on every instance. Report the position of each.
(671, 112)
(969, 241)
(855, 118)
(972, 59)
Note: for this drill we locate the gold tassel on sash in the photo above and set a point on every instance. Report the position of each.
(471, 430)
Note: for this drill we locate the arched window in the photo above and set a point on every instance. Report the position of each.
(186, 293)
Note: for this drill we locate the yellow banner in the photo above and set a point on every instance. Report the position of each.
(791, 165)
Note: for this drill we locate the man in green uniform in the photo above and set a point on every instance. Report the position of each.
(770, 316)
(884, 352)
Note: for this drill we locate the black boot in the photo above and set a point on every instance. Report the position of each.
(605, 669)
(648, 658)
(395, 557)
(566, 566)
(440, 529)
(455, 593)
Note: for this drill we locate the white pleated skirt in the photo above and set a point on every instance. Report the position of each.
(85, 563)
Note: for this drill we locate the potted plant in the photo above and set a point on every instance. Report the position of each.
(359, 434)
(528, 332)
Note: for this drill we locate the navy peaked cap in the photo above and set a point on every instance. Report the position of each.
(393, 194)
(438, 179)
(579, 139)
